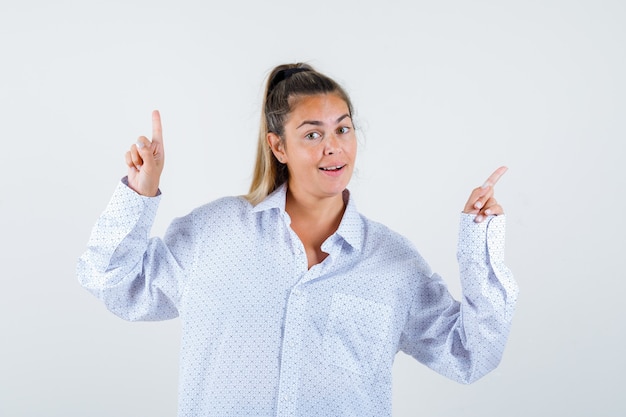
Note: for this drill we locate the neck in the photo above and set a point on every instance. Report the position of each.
(314, 210)
(314, 220)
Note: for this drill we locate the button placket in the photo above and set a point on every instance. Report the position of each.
(290, 357)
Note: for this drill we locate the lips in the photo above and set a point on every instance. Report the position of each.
(332, 168)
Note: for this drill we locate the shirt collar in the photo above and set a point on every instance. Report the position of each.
(351, 228)
(275, 200)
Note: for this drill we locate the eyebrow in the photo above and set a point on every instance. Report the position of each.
(318, 123)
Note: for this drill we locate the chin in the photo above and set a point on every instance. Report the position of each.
(336, 189)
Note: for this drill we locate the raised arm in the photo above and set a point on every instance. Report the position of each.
(465, 339)
(137, 277)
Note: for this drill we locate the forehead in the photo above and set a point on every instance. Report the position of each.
(319, 107)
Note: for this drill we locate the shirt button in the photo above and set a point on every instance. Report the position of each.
(286, 397)
(297, 293)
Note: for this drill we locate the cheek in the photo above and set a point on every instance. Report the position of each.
(301, 160)
(351, 149)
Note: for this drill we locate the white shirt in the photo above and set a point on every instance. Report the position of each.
(263, 335)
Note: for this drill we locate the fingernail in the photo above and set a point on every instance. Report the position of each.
(140, 145)
(488, 212)
(478, 205)
(479, 218)
(485, 185)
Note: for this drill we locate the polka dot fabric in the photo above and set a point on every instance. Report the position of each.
(263, 335)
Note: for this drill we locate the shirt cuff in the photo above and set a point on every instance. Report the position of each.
(125, 182)
(481, 241)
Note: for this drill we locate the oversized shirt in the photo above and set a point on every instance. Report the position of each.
(264, 335)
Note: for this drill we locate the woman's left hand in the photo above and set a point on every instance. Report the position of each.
(481, 202)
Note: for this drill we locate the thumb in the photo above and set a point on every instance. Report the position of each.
(144, 148)
(151, 153)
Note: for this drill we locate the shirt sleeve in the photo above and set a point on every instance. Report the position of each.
(464, 340)
(137, 277)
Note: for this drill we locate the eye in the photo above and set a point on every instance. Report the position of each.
(343, 130)
(312, 136)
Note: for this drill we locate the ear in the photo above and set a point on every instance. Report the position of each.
(277, 147)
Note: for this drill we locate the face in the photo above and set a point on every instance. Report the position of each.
(318, 146)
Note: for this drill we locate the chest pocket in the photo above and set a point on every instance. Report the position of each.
(357, 334)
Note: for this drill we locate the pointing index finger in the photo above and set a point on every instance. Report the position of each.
(157, 131)
(493, 178)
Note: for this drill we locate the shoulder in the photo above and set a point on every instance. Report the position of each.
(219, 219)
(224, 209)
(380, 237)
(391, 253)
(372, 236)
(226, 203)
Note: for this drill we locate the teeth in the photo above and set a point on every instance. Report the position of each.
(332, 168)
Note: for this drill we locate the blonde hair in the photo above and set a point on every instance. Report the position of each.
(285, 82)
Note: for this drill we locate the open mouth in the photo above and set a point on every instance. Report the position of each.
(333, 168)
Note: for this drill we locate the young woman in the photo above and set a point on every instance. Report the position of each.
(292, 302)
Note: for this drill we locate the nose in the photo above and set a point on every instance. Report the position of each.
(331, 144)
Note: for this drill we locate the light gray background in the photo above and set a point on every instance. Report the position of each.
(445, 92)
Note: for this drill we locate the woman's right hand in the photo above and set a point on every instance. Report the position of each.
(145, 160)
